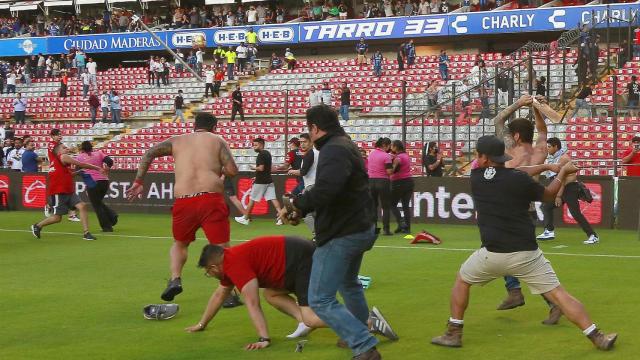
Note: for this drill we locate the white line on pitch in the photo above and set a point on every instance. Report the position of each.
(375, 246)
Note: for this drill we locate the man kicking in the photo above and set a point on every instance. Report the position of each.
(502, 197)
(279, 264)
(518, 139)
(201, 158)
(61, 192)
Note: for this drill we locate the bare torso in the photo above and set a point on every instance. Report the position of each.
(526, 155)
(198, 167)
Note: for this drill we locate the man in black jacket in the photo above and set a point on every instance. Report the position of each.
(344, 231)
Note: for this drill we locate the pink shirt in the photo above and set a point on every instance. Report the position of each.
(378, 162)
(474, 164)
(95, 158)
(403, 169)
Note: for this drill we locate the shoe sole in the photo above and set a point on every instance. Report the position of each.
(378, 314)
(510, 307)
(613, 341)
(445, 345)
(33, 231)
(171, 293)
(544, 239)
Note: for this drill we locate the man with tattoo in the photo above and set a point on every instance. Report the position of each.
(201, 158)
(525, 154)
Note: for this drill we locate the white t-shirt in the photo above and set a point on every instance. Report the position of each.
(104, 101)
(242, 51)
(181, 55)
(251, 16)
(210, 74)
(310, 178)
(91, 67)
(326, 97)
(15, 157)
(86, 80)
(11, 79)
(199, 56)
(314, 99)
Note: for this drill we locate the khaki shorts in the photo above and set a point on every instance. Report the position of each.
(263, 191)
(362, 59)
(530, 267)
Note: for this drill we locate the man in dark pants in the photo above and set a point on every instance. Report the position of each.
(344, 231)
(379, 168)
(568, 194)
(236, 106)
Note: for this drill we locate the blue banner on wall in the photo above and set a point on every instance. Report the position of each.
(457, 24)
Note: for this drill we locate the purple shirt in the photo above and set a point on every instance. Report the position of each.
(403, 169)
(378, 162)
(95, 158)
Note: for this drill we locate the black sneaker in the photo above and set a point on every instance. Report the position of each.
(233, 300)
(379, 325)
(114, 221)
(174, 287)
(35, 230)
(88, 236)
(107, 230)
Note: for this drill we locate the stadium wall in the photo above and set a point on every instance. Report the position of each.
(442, 200)
(454, 24)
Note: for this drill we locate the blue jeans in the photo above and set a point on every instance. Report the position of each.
(344, 112)
(377, 70)
(115, 115)
(230, 71)
(511, 283)
(335, 268)
(444, 72)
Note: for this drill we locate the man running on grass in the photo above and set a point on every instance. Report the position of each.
(279, 264)
(201, 158)
(61, 192)
(502, 197)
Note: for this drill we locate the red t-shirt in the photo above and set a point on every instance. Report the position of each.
(633, 167)
(219, 76)
(60, 176)
(262, 258)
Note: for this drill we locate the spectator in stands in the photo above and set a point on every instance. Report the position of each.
(289, 59)
(116, 108)
(219, 56)
(14, 156)
(30, 160)
(26, 72)
(64, 82)
(199, 60)
(377, 59)
(192, 61)
(464, 94)
(633, 95)
(151, 74)
(342, 11)
(279, 14)
(165, 71)
(362, 50)
(231, 62)
(177, 63)
(92, 69)
(379, 169)
(236, 107)
(86, 83)
(315, 96)
(443, 65)
(178, 105)
(41, 63)
(623, 54)
(11, 82)
(581, 69)
(19, 108)
(104, 105)
(401, 186)
(581, 101)
(345, 102)
(276, 62)
(252, 56)
(631, 157)
(541, 88)
(3, 78)
(80, 59)
(218, 78)
(436, 6)
(251, 36)
(432, 160)
(97, 184)
(261, 13)
(242, 52)
(158, 69)
(209, 78)
(408, 8)
(94, 104)
(432, 95)
(411, 53)
(326, 94)
(400, 56)
(502, 84)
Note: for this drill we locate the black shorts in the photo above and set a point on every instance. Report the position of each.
(229, 190)
(61, 203)
(298, 259)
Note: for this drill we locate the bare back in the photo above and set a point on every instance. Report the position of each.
(199, 161)
(526, 155)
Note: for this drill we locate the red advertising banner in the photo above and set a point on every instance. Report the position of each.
(4, 189)
(34, 191)
(244, 195)
(591, 211)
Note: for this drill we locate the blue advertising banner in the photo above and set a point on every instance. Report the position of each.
(456, 24)
(23, 47)
(104, 43)
(382, 28)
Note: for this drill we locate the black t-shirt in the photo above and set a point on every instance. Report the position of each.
(634, 90)
(179, 102)
(502, 197)
(264, 177)
(429, 160)
(237, 95)
(345, 97)
(541, 90)
(584, 93)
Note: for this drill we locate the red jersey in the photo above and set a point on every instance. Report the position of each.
(60, 176)
(262, 258)
(633, 167)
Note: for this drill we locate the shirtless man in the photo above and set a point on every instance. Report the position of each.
(201, 158)
(526, 156)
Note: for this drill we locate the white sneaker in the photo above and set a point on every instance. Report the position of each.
(302, 331)
(547, 235)
(74, 218)
(242, 220)
(279, 222)
(593, 239)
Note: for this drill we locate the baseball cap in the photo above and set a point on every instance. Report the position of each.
(493, 147)
(294, 140)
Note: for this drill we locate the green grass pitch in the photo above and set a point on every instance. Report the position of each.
(65, 298)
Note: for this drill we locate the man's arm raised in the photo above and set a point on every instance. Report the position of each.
(500, 119)
(164, 148)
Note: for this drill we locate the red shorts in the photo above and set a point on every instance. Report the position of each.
(208, 211)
